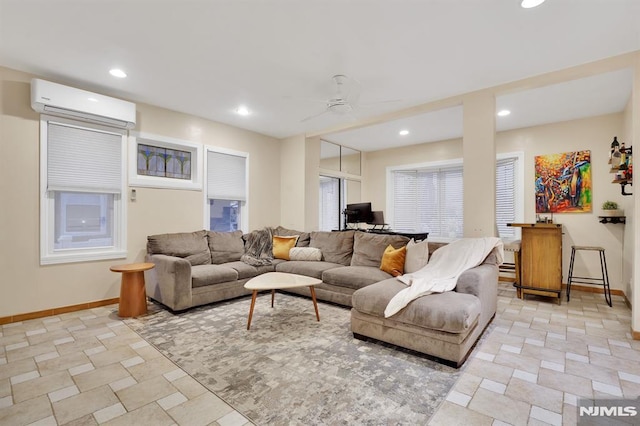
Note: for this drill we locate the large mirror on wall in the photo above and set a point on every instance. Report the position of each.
(329, 156)
(339, 158)
(350, 161)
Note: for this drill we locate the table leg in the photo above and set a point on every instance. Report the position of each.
(133, 297)
(315, 303)
(273, 296)
(253, 303)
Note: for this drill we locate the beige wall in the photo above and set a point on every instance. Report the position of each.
(292, 182)
(26, 286)
(593, 134)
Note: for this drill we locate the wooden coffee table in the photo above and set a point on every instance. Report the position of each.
(279, 281)
(133, 296)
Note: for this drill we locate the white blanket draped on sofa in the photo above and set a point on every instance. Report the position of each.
(442, 272)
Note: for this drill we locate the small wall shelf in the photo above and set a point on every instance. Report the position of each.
(623, 183)
(624, 176)
(612, 219)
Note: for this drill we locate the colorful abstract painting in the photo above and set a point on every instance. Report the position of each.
(563, 182)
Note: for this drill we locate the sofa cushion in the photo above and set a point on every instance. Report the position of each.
(282, 245)
(191, 246)
(308, 268)
(225, 246)
(303, 237)
(244, 270)
(204, 275)
(336, 247)
(305, 253)
(354, 277)
(417, 256)
(393, 260)
(451, 312)
(368, 247)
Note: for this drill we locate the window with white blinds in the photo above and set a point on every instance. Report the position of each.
(226, 176)
(330, 202)
(226, 191)
(81, 159)
(82, 213)
(430, 199)
(506, 196)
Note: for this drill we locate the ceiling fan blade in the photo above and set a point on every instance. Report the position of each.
(314, 116)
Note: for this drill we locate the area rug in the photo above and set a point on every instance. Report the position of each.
(290, 369)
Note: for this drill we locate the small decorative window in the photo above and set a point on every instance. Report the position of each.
(161, 162)
(164, 162)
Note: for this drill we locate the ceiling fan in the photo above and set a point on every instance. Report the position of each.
(343, 100)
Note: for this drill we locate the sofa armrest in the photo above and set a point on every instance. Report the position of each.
(170, 281)
(482, 282)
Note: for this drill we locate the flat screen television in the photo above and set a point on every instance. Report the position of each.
(359, 213)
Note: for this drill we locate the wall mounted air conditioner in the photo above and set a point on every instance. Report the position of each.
(65, 101)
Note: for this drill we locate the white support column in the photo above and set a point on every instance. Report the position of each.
(479, 156)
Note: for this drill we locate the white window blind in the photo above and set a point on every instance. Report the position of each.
(405, 200)
(80, 159)
(505, 196)
(329, 203)
(226, 176)
(428, 201)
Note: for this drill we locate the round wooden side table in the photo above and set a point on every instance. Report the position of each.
(133, 296)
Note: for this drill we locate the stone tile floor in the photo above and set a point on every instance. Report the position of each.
(536, 360)
(539, 358)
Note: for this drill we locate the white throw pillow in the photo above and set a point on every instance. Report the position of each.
(305, 253)
(417, 256)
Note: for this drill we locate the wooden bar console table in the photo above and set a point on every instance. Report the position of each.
(540, 260)
(133, 296)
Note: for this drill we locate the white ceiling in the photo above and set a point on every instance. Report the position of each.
(207, 57)
(601, 94)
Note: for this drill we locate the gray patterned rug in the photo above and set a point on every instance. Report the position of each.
(291, 369)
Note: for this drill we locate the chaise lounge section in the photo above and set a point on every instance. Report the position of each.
(445, 325)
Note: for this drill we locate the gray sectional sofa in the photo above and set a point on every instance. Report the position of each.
(202, 267)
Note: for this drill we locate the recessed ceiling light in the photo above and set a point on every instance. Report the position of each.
(92, 99)
(528, 4)
(117, 73)
(504, 112)
(242, 110)
(403, 132)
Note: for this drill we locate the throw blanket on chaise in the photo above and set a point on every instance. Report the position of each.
(442, 272)
(259, 248)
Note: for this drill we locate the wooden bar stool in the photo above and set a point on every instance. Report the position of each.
(589, 280)
(512, 246)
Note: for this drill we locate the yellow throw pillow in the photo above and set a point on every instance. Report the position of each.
(282, 245)
(393, 260)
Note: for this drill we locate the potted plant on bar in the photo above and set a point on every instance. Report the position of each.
(610, 208)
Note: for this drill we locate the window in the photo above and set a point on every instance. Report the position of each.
(226, 191)
(429, 198)
(506, 196)
(162, 162)
(82, 212)
(330, 203)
